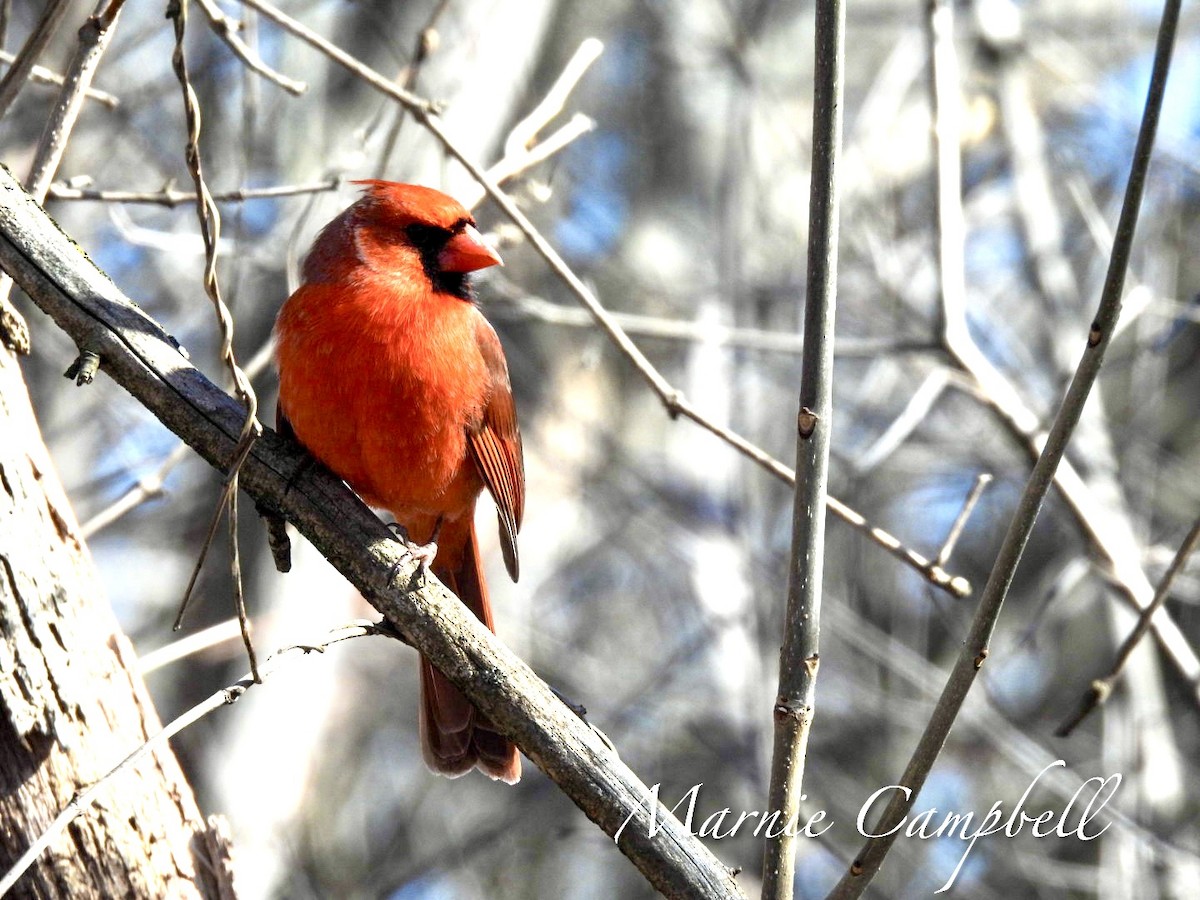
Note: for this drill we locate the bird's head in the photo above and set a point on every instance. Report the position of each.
(394, 227)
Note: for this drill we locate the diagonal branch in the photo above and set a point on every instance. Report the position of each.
(140, 356)
(1100, 689)
(975, 649)
(14, 79)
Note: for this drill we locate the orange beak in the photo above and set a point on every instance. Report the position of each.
(468, 251)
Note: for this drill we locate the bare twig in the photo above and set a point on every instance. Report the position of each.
(1100, 689)
(14, 79)
(975, 649)
(45, 76)
(960, 521)
(141, 357)
(542, 310)
(799, 656)
(525, 132)
(522, 150)
(427, 44)
(204, 639)
(915, 411)
(93, 40)
(227, 696)
(210, 230)
(227, 30)
(170, 197)
(673, 401)
(526, 158)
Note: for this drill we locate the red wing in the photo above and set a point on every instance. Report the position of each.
(495, 445)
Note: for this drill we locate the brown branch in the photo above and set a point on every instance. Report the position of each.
(145, 361)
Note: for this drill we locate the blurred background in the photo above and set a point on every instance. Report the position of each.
(654, 557)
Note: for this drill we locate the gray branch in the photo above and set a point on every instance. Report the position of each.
(138, 354)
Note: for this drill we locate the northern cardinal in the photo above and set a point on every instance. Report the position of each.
(391, 377)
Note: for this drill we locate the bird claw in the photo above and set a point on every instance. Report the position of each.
(424, 554)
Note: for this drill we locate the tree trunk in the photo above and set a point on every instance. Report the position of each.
(72, 706)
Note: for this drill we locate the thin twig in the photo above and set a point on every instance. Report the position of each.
(14, 79)
(960, 522)
(975, 648)
(521, 305)
(227, 696)
(210, 230)
(43, 75)
(525, 132)
(204, 639)
(227, 30)
(673, 401)
(915, 411)
(94, 38)
(799, 657)
(522, 150)
(170, 197)
(1100, 689)
(427, 44)
(515, 163)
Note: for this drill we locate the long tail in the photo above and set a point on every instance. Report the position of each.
(455, 736)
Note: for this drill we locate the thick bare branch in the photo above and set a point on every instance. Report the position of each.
(139, 355)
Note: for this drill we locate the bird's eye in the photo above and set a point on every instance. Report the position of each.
(426, 236)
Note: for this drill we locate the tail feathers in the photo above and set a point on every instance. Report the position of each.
(455, 736)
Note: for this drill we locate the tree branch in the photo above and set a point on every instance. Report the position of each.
(144, 359)
(976, 647)
(799, 657)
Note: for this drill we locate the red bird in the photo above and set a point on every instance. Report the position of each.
(391, 377)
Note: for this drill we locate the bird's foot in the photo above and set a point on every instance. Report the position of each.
(423, 553)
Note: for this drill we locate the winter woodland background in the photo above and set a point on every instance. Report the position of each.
(654, 556)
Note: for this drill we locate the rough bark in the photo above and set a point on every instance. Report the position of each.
(72, 705)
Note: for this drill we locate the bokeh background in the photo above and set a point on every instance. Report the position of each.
(653, 556)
